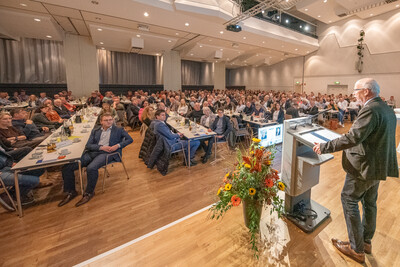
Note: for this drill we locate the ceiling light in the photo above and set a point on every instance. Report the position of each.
(49, 36)
(277, 17)
(186, 24)
(101, 43)
(306, 9)
(36, 20)
(397, 5)
(319, 16)
(221, 32)
(308, 52)
(371, 15)
(306, 28)
(99, 29)
(263, 42)
(325, 1)
(263, 11)
(244, 38)
(146, 14)
(169, 41)
(191, 54)
(287, 1)
(157, 54)
(102, 48)
(137, 35)
(222, 49)
(270, 57)
(330, 21)
(210, 40)
(22, 4)
(200, 45)
(287, 21)
(301, 26)
(177, 33)
(216, 61)
(296, 49)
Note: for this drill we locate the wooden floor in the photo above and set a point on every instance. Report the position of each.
(52, 236)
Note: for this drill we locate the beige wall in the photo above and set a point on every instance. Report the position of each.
(219, 75)
(335, 60)
(171, 70)
(81, 65)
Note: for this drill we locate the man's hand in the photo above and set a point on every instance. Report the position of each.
(113, 148)
(180, 135)
(29, 122)
(45, 129)
(22, 137)
(209, 130)
(11, 139)
(317, 148)
(105, 148)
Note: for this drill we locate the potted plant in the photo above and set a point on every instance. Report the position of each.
(360, 49)
(254, 183)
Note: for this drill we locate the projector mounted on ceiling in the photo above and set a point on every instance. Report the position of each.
(234, 28)
(137, 44)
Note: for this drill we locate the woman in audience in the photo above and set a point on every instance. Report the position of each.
(148, 115)
(240, 107)
(52, 115)
(183, 108)
(33, 102)
(277, 113)
(106, 108)
(208, 118)
(145, 104)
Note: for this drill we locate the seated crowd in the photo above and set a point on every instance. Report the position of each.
(20, 131)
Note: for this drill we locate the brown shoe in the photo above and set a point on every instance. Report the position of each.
(85, 199)
(367, 248)
(68, 197)
(345, 248)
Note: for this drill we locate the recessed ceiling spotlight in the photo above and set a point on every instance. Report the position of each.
(221, 32)
(397, 5)
(301, 26)
(95, 2)
(287, 1)
(330, 21)
(157, 54)
(287, 21)
(222, 49)
(319, 16)
(263, 11)
(325, 1)
(146, 14)
(101, 43)
(308, 52)
(177, 33)
(306, 9)
(200, 45)
(49, 36)
(277, 17)
(22, 4)
(306, 28)
(137, 35)
(371, 15)
(99, 29)
(191, 54)
(216, 61)
(169, 41)
(296, 49)
(263, 42)
(186, 24)
(38, 20)
(244, 37)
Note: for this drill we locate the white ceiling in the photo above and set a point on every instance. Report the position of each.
(259, 42)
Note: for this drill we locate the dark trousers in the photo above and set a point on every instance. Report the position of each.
(19, 153)
(208, 148)
(354, 191)
(93, 161)
(353, 114)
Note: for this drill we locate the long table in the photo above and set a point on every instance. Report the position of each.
(75, 152)
(199, 133)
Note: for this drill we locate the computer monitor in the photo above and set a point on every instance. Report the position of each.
(271, 135)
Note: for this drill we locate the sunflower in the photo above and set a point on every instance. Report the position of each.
(228, 187)
(269, 183)
(252, 191)
(235, 200)
(268, 162)
(281, 186)
(248, 166)
(227, 175)
(256, 140)
(219, 191)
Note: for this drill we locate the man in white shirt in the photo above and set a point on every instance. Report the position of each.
(353, 108)
(342, 105)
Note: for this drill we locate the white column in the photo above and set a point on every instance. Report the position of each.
(171, 66)
(81, 65)
(219, 76)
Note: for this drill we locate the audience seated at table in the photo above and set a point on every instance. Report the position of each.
(43, 97)
(208, 118)
(12, 136)
(249, 109)
(293, 111)
(196, 113)
(258, 110)
(26, 180)
(229, 105)
(4, 99)
(15, 98)
(183, 108)
(40, 119)
(103, 141)
(22, 123)
(106, 108)
(145, 104)
(313, 110)
(71, 108)
(33, 102)
(174, 139)
(16, 153)
(278, 115)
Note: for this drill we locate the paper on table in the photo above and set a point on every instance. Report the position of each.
(47, 157)
(320, 136)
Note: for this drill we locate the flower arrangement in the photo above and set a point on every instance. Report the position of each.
(360, 49)
(253, 182)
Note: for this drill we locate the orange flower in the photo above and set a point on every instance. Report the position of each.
(235, 200)
(269, 183)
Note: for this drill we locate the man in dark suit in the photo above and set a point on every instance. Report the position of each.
(222, 126)
(102, 141)
(61, 109)
(369, 156)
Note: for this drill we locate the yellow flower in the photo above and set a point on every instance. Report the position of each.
(261, 147)
(256, 140)
(228, 187)
(248, 166)
(281, 186)
(251, 152)
(227, 175)
(219, 191)
(252, 191)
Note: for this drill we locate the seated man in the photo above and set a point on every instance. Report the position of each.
(293, 110)
(93, 100)
(41, 120)
(222, 126)
(61, 110)
(13, 137)
(196, 113)
(104, 140)
(31, 131)
(26, 180)
(173, 138)
(71, 108)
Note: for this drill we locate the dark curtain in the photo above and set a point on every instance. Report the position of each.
(32, 61)
(196, 73)
(126, 68)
